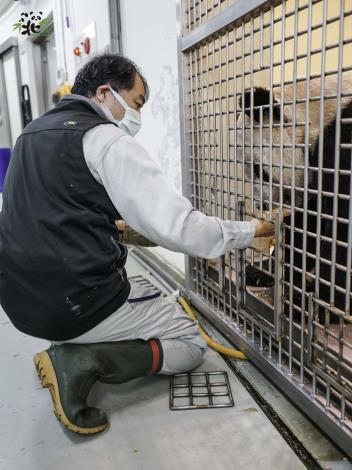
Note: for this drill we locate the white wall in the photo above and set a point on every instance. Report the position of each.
(81, 14)
(149, 38)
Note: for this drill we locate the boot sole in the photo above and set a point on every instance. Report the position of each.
(47, 377)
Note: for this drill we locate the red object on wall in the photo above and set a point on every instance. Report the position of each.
(77, 51)
(86, 45)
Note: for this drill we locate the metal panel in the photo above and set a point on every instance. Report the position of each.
(267, 127)
(7, 48)
(5, 129)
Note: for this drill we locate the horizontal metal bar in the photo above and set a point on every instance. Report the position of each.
(286, 61)
(291, 82)
(314, 27)
(219, 22)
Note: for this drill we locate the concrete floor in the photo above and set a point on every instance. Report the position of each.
(144, 434)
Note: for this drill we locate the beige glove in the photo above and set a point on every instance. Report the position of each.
(129, 237)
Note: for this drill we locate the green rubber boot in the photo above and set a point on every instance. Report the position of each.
(70, 370)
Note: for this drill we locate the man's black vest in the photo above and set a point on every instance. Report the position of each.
(61, 267)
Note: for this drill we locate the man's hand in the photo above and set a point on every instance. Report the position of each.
(264, 229)
(267, 229)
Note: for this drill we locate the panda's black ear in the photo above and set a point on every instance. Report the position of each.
(261, 97)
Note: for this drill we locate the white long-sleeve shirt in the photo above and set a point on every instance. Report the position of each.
(148, 203)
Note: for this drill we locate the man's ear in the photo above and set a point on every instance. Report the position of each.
(101, 92)
(261, 97)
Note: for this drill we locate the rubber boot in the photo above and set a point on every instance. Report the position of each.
(70, 371)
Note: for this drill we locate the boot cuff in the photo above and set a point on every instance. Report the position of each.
(158, 355)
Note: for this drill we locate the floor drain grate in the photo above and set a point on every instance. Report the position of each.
(199, 390)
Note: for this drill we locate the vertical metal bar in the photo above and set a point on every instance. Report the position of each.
(293, 181)
(271, 77)
(184, 84)
(214, 122)
(196, 148)
(349, 252)
(215, 136)
(209, 389)
(305, 191)
(201, 104)
(343, 409)
(340, 346)
(235, 115)
(240, 265)
(198, 201)
(282, 98)
(251, 112)
(320, 151)
(228, 167)
(235, 168)
(171, 401)
(201, 157)
(328, 389)
(314, 384)
(193, 151)
(230, 284)
(261, 39)
(261, 339)
(261, 161)
(278, 276)
(228, 170)
(337, 152)
(241, 254)
(190, 391)
(310, 336)
(209, 133)
(243, 192)
(221, 143)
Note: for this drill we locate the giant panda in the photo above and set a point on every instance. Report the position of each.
(261, 99)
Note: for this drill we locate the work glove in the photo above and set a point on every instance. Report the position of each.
(128, 236)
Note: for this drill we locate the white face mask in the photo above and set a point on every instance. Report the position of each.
(131, 122)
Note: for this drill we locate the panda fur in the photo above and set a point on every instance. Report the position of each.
(261, 97)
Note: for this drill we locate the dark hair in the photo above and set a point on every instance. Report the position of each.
(115, 69)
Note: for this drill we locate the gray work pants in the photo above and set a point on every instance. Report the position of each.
(145, 315)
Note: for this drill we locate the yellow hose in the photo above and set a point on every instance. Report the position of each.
(213, 344)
